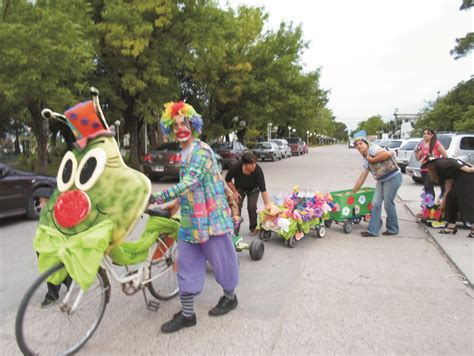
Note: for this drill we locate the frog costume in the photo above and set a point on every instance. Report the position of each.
(96, 204)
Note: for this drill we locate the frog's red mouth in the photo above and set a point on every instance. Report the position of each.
(97, 212)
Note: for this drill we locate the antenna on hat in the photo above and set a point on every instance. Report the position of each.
(95, 99)
(49, 114)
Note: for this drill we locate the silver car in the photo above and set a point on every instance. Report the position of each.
(283, 146)
(457, 146)
(405, 152)
(267, 150)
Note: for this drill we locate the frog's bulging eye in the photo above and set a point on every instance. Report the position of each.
(90, 169)
(67, 172)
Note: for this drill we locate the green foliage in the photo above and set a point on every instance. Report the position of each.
(464, 45)
(372, 125)
(452, 112)
(141, 54)
(46, 52)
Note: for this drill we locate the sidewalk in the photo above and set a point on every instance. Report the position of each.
(458, 248)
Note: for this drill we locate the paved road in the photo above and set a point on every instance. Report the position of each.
(340, 294)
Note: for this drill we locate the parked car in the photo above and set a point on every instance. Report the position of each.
(457, 146)
(296, 145)
(283, 146)
(165, 161)
(405, 152)
(20, 192)
(351, 143)
(394, 145)
(267, 150)
(231, 152)
(381, 143)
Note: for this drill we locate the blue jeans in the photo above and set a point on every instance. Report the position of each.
(385, 192)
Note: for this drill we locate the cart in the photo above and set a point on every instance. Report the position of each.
(295, 217)
(350, 208)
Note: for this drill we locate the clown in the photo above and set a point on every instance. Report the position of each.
(206, 224)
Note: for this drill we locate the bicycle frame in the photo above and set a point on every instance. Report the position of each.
(140, 278)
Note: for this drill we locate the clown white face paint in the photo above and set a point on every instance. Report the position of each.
(182, 129)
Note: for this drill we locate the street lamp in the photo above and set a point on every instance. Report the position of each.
(269, 131)
(293, 130)
(117, 125)
(289, 131)
(307, 138)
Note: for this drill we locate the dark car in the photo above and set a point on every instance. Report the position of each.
(165, 161)
(297, 145)
(20, 192)
(231, 152)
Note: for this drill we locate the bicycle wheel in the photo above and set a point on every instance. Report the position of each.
(59, 328)
(164, 281)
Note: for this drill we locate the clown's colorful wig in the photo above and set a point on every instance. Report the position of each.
(180, 108)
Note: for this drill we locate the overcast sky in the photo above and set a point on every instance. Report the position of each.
(378, 55)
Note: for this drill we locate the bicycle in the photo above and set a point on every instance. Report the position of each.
(52, 329)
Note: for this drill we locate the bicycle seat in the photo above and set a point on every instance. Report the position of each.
(158, 212)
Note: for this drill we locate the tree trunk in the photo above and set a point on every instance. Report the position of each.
(133, 131)
(40, 129)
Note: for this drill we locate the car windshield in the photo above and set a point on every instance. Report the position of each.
(409, 146)
(293, 140)
(394, 144)
(222, 146)
(381, 143)
(168, 146)
(279, 143)
(264, 146)
(445, 140)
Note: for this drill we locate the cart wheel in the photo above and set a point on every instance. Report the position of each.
(356, 220)
(291, 242)
(256, 249)
(328, 223)
(264, 235)
(347, 227)
(321, 232)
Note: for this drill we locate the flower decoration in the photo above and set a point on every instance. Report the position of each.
(362, 199)
(357, 209)
(180, 108)
(350, 200)
(346, 211)
(427, 200)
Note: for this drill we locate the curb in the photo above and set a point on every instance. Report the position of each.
(443, 251)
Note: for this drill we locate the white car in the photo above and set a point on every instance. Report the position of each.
(394, 145)
(283, 146)
(405, 151)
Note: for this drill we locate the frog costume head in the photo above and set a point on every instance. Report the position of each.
(98, 198)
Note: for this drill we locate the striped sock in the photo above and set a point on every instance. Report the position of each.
(229, 294)
(187, 303)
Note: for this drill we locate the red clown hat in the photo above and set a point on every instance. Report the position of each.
(86, 124)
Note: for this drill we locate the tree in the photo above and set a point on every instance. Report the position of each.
(454, 111)
(372, 125)
(464, 45)
(46, 53)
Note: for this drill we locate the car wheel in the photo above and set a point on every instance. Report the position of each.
(417, 180)
(33, 210)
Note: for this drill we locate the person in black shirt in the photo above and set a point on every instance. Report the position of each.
(246, 178)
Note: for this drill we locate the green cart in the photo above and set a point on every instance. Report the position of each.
(350, 208)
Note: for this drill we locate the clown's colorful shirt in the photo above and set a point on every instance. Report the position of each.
(204, 208)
